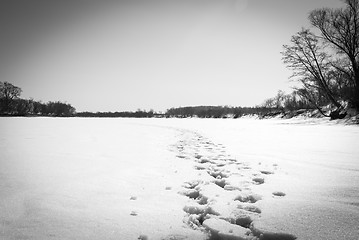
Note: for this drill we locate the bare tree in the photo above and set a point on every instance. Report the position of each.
(312, 66)
(8, 93)
(339, 28)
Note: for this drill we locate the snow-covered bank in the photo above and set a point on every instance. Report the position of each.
(177, 179)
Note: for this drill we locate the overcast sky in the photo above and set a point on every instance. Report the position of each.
(149, 54)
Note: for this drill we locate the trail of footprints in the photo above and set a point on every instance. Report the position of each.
(221, 202)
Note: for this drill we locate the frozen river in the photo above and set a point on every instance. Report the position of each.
(75, 178)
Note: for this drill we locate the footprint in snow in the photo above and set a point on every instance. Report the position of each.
(278, 194)
(199, 167)
(258, 180)
(266, 172)
(220, 182)
(247, 198)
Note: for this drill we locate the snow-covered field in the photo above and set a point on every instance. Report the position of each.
(74, 178)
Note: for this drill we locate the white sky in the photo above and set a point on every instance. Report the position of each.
(125, 55)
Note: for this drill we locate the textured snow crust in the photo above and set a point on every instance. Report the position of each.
(212, 179)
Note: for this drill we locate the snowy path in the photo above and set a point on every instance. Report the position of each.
(177, 179)
(316, 167)
(222, 201)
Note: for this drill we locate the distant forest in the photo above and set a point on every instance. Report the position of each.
(12, 105)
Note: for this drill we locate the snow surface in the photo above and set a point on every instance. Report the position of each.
(83, 178)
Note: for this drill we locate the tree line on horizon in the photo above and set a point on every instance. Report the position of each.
(219, 111)
(125, 114)
(12, 105)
